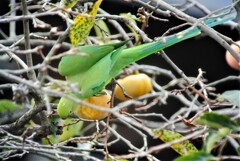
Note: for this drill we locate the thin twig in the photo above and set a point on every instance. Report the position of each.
(31, 74)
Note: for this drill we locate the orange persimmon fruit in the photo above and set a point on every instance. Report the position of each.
(134, 85)
(89, 113)
(232, 62)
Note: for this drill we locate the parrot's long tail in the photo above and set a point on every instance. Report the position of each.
(136, 53)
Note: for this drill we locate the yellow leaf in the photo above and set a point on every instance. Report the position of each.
(101, 29)
(132, 18)
(182, 148)
(83, 24)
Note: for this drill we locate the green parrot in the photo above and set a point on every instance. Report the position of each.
(94, 71)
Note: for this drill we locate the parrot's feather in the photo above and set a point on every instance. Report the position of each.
(91, 54)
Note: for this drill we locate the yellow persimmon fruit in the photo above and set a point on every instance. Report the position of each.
(134, 85)
(232, 62)
(89, 113)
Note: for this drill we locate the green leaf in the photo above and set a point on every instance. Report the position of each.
(70, 129)
(198, 156)
(131, 16)
(6, 104)
(68, 3)
(109, 159)
(233, 96)
(182, 148)
(215, 120)
(212, 137)
(238, 150)
(53, 138)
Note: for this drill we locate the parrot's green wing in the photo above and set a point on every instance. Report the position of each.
(92, 81)
(91, 54)
(74, 64)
